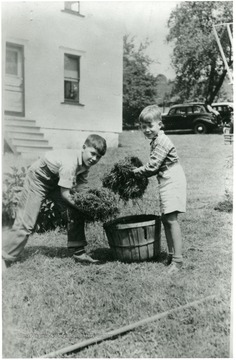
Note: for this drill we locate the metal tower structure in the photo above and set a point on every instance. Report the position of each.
(216, 29)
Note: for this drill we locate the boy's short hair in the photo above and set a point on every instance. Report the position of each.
(150, 113)
(97, 142)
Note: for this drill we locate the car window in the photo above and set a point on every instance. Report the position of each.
(172, 111)
(189, 110)
(180, 111)
(198, 109)
(225, 108)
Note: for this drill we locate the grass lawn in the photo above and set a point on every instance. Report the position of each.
(49, 302)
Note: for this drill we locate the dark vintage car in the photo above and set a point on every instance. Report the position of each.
(191, 116)
(225, 110)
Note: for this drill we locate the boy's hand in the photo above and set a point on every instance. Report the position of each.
(136, 173)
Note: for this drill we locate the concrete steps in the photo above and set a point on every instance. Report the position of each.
(21, 122)
(24, 137)
(22, 128)
(30, 148)
(29, 142)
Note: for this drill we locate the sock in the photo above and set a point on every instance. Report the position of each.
(78, 251)
(177, 259)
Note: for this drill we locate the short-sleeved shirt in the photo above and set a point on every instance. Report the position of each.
(163, 152)
(67, 164)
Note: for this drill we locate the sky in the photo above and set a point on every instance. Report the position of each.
(148, 19)
(144, 19)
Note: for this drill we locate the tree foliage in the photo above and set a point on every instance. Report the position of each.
(139, 85)
(196, 57)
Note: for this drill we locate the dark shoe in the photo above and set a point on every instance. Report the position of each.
(85, 258)
(168, 259)
(174, 267)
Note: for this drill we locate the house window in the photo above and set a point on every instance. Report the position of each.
(71, 78)
(72, 6)
(11, 62)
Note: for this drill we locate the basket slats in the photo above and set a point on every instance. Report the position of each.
(138, 240)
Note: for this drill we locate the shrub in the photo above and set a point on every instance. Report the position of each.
(12, 187)
(50, 217)
(121, 179)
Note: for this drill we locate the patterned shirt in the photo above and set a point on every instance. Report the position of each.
(67, 164)
(163, 152)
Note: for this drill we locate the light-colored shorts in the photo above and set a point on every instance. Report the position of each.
(172, 189)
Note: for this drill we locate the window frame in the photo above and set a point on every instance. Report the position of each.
(78, 58)
(79, 53)
(21, 47)
(70, 11)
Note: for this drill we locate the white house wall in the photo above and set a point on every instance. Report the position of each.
(47, 33)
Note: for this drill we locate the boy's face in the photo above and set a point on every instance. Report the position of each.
(90, 156)
(150, 129)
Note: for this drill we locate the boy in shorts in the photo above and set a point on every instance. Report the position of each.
(164, 163)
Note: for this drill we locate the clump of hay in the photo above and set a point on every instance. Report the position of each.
(227, 204)
(96, 204)
(122, 181)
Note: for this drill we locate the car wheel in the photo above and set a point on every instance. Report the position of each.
(200, 128)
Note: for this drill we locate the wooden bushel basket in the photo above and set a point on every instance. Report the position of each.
(134, 238)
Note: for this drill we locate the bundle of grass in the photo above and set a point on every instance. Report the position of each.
(227, 204)
(96, 204)
(121, 179)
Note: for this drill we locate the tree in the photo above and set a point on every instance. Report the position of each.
(164, 90)
(196, 57)
(139, 85)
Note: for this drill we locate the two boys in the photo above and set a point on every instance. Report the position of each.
(53, 176)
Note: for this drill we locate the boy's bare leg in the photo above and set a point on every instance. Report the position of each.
(169, 239)
(173, 235)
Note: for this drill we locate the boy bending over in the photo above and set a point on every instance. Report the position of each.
(53, 176)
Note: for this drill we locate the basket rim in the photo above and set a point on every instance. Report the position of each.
(145, 220)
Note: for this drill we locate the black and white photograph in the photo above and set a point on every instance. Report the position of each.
(117, 179)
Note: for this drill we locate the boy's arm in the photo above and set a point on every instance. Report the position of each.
(157, 157)
(66, 196)
(81, 182)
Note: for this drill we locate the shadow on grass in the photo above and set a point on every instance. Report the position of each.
(104, 255)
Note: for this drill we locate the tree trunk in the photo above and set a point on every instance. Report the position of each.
(213, 94)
